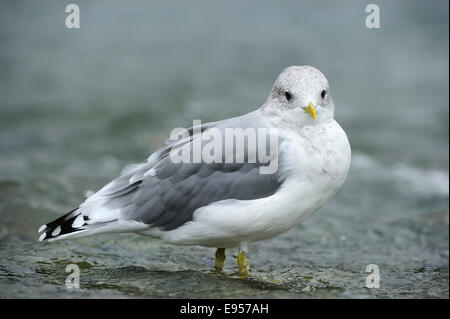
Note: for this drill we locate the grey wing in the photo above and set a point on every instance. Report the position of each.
(165, 194)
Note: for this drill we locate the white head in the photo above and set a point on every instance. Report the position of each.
(301, 95)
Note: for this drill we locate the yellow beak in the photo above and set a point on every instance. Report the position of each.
(311, 110)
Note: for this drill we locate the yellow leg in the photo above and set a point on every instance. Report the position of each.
(220, 259)
(243, 263)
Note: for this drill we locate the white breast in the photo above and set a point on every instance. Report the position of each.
(317, 160)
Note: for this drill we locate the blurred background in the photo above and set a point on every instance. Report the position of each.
(76, 105)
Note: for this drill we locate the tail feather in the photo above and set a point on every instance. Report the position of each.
(103, 212)
(75, 224)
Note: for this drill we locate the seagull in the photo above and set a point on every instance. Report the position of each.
(228, 203)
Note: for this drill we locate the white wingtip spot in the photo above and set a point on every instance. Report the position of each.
(43, 227)
(41, 238)
(78, 222)
(56, 231)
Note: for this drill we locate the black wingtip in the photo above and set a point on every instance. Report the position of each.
(60, 226)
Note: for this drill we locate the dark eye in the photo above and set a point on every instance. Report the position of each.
(288, 95)
(323, 94)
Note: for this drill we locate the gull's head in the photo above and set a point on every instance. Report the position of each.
(301, 95)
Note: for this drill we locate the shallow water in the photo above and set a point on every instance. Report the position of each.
(76, 106)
